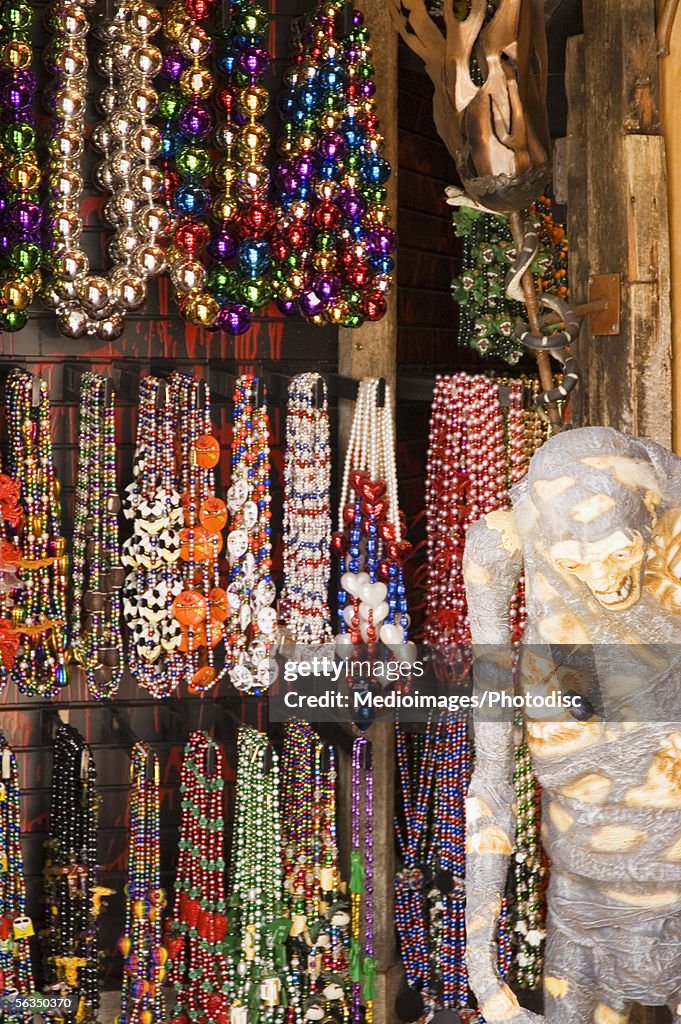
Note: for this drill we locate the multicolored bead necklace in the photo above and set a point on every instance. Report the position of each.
(97, 576)
(362, 962)
(251, 626)
(201, 607)
(70, 876)
(307, 513)
(261, 983)
(20, 213)
(144, 956)
(530, 877)
(11, 594)
(41, 620)
(466, 478)
(219, 266)
(372, 601)
(87, 303)
(152, 553)
(417, 782)
(333, 236)
(195, 936)
(319, 939)
(16, 971)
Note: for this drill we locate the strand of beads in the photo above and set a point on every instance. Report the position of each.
(97, 574)
(466, 478)
(152, 553)
(318, 939)
(372, 601)
(201, 607)
(362, 963)
(195, 937)
(189, 124)
(88, 303)
(448, 857)
(529, 879)
(334, 238)
(11, 587)
(144, 956)
(260, 980)
(417, 780)
(40, 619)
(252, 621)
(16, 971)
(307, 513)
(70, 875)
(20, 213)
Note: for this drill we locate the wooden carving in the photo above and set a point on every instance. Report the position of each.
(489, 75)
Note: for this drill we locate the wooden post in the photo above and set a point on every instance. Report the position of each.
(618, 223)
(371, 351)
(627, 377)
(670, 80)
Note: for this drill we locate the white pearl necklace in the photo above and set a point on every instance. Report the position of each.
(88, 303)
(307, 513)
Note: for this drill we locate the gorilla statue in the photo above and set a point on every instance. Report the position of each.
(595, 527)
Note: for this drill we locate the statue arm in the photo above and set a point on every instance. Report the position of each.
(492, 566)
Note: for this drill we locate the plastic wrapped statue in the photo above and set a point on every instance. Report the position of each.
(596, 527)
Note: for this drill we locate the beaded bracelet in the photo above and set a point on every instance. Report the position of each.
(72, 895)
(251, 625)
(16, 971)
(144, 955)
(40, 618)
(152, 553)
(20, 214)
(97, 576)
(303, 605)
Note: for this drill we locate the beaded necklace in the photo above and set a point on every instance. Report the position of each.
(20, 213)
(412, 838)
(466, 478)
(219, 267)
(372, 601)
(144, 956)
(88, 303)
(201, 607)
(16, 972)
(152, 553)
(70, 875)
(333, 236)
(252, 621)
(362, 962)
(11, 593)
(319, 940)
(195, 936)
(41, 620)
(307, 513)
(260, 981)
(97, 573)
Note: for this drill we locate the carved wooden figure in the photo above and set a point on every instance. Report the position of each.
(596, 527)
(489, 75)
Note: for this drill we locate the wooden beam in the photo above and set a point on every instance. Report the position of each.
(371, 351)
(670, 78)
(628, 376)
(578, 214)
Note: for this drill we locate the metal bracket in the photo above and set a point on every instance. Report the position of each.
(606, 290)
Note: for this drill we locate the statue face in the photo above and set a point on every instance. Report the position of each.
(612, 568)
